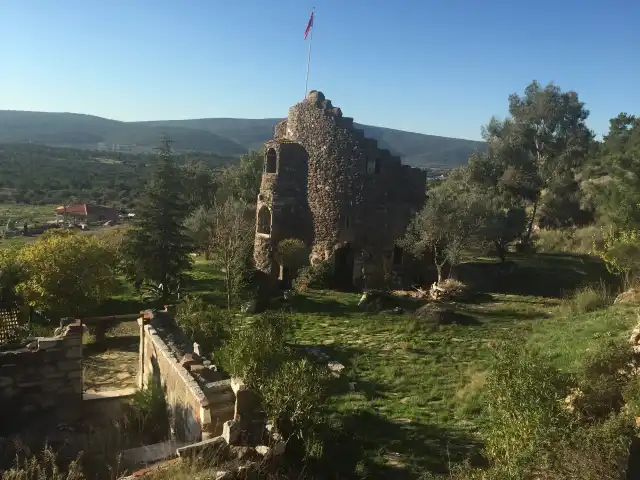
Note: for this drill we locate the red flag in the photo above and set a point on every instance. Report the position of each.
(309, 25)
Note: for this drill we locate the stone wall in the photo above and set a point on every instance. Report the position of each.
(354, 193)
(45, 377)
(197, 407)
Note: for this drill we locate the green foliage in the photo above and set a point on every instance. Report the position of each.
(588, 299)
(242, 182)
(157, 248)
(199, 227)
(584, 240)
(230, 243)
(294, 395)
(524, 392)
(621, 252)
(292, 253)
(203, 323)
(67, 274)
(149, 414)
(200, 184)
(603, 380)
(541, 146)
(453, 221)
(614, 175)
(315, 276)
(42, 467)
(11, 272)
(534, 434)
(255, 352)
(38, 174)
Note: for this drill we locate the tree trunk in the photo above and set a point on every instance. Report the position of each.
(501, 250)
(228, 284)
(527, 237)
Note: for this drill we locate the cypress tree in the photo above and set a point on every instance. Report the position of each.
(157, 247)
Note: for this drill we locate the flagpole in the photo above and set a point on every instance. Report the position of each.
(306, 83)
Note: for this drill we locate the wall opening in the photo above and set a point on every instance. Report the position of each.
(343, 266)
(264, 221)
(376, 166)
(398, 253)
(271, 164)
(371, 166)
(285, 277)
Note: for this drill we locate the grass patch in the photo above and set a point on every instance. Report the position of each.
(417, 394)
(588, 299)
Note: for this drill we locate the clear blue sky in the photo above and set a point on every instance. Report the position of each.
(441, 67)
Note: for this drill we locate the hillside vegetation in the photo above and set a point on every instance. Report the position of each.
(222, 136)
(39, 174)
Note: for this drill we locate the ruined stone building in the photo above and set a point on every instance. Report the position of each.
(324, 182)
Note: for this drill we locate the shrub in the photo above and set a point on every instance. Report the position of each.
(574, 240)
(316, 276)
(603, 380)
(203, 323)
(44, 467)
(254, 352)
(621, 252)
(597, 451)
(149, 414)
(525, 393)
(294, 395)
(588, 299)
(292, 253)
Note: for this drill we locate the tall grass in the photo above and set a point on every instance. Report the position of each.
(575, 240)
(42, 467)
(588, 299)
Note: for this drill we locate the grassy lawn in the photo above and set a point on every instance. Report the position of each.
(416, 397)
(411, 395)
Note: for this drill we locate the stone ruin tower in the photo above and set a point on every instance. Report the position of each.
(327, 184)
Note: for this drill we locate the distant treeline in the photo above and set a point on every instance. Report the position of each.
(38, 174)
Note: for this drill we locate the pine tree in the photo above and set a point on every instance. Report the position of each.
(158, 247)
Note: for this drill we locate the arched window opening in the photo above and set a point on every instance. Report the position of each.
(270, 164)
(371, 166)
(264, 221)
(398, 253)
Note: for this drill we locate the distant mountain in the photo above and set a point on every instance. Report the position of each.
(223, 136)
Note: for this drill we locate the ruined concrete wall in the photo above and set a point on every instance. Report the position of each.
(194, 414)
(45, 376)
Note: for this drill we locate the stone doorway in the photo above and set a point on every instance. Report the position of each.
(343, 266)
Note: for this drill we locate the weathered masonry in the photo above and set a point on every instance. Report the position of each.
(327, 184)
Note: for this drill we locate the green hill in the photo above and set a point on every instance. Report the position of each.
(223, 136)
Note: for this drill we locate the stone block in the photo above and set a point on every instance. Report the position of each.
(231, 432)
(9, 392)
(247, 406)
(45, 343)
(5, 381)
(216, 446)
(68, 365)
(74, 352)
(74, 374)
(237, 384)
